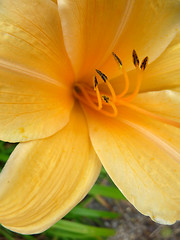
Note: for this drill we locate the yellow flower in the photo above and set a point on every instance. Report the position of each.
(73, 107)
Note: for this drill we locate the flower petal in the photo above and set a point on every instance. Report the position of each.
(90, 29)
(151, 27)
(100, 27)
(31, 39)
(44, 179)
(142, 156)
(164, 73)
(31, 108)
(165, 103)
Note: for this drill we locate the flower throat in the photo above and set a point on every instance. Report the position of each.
(107, 103)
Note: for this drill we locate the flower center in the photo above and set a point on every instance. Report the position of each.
(107, 103)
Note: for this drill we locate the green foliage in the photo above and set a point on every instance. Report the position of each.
(90, 213)
(82, 222)
(106, 191)
(166, 232)
(81, 231)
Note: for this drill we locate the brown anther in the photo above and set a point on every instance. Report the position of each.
(102, 75)
(117, 59)
(95, 82)
(105, 98)
(144, 63)
(135, 58)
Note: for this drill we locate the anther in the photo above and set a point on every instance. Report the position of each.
(135, 58)
(102, 75)
(95, 82)
(117, 59)
(106, 99)
(144, 63)
(105, 79)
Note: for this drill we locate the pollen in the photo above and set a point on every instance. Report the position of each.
(108, 103)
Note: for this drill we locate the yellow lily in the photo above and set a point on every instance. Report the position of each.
(73, 105)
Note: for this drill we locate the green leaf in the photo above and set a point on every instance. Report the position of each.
(64, 234)
(83, 229)
(28, 237)
(103, 171)
(106, 191)
(1, 145)
(86, 201)
(6, 234)
(4, 157)
(10, 149)
(91, 213)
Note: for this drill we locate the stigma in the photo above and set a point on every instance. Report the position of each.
(107, 103)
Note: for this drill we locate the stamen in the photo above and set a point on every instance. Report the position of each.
(117, 59)
(95, 82)
(135, 58)
(97, 93)
(150, 114)
(144, 63)
(102, 75)
(99, 98)
(137, 88)
(107, 104)
(106, 99)
(126, 83)
(88, 100)
(139, 75)
(115, 111)
(112, 91)
(105, 79)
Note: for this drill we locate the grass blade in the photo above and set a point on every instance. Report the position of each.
(91, 213)
(83, 229)
(106, 191)
(6, 235)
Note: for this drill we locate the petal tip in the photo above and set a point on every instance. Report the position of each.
(162, 221)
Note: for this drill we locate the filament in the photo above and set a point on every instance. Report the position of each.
(98, 98)
(150, 114)
(111, 89)
(86, 99)
(126, 83)
(137, 88)
(107, 104)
